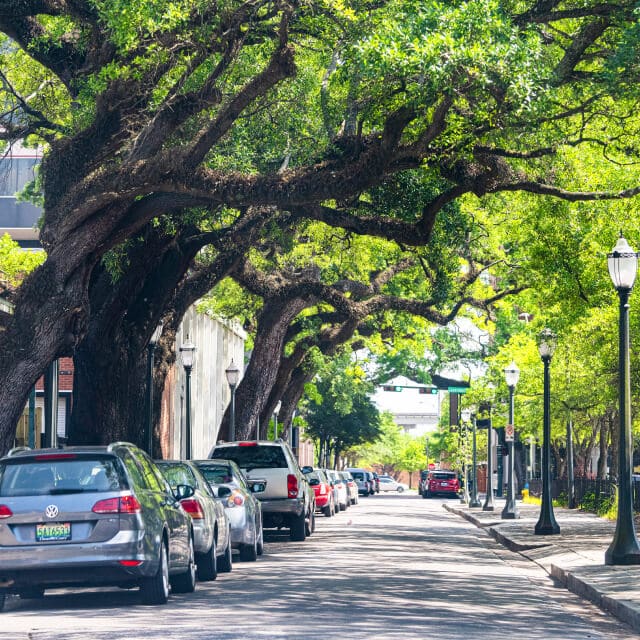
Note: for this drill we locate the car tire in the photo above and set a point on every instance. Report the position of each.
(249, 552)
(208, 564)
(298, 528)
(186, 582)
(225, 564)
(400, 489)
(32, 593)
(260, 543)
(312, 523)
(342, 507)
(155, 590)
(3, 598)
(327, 511)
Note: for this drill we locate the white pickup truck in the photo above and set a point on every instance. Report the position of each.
(288, 500)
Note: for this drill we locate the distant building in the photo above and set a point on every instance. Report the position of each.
(414, 406)
(17, 218)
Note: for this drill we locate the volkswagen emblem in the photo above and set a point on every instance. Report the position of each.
(51, 511)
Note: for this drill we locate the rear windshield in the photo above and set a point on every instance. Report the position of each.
(443, 476)
(357, 475)
(176, 474)
(216, 474)
(34, 477)
(254, 457)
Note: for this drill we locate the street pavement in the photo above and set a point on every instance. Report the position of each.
(395, 567)
(574, 557)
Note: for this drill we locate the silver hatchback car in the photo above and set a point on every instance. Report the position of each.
(92, 516)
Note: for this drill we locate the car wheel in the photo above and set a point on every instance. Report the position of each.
(400, 489)
(208, 564)
(342, 507)
(260, 543)
(3, 597)
(186, 582)
(298, 528)
(225, 564)
(155, 590)
(32, 593)
(327, 511)
(249, 552)
(312, 523)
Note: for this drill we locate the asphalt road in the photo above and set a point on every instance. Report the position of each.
(393, 567)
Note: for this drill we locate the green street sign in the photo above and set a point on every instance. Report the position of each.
(458, 389)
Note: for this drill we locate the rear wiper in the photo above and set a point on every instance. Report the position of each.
(61, 491)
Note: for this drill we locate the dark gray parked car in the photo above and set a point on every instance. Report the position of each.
(211, 527)
(86, 516)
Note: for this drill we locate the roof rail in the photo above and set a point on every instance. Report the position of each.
(12, 452)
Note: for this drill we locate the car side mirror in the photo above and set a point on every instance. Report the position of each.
(223, 492)
(184, 491)
(307, 469)
(314, 482)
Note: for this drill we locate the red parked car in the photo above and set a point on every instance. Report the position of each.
(441, 483)
(322, 488)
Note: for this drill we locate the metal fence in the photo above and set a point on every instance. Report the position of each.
(601, 490)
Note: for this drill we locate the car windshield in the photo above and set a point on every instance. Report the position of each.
(254, 457)
(357, 475)
(34, 477)
(443, 476)
(176, 474)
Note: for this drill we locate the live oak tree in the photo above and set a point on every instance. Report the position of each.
(144, 110)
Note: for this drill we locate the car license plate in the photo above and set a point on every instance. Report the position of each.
(53, 532)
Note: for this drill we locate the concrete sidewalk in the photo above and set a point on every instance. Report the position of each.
(575, 557)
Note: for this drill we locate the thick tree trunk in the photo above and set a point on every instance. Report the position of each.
(253, 391)
(50, 317)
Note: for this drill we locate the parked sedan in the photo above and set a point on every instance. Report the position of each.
(242, 508)
(322, 488)
(389, 484)
(352, 487)
(212, 537)
(92, 516)
(340, 486)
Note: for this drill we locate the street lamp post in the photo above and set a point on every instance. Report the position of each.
(510, 510)
(233, 377)
(151, 348)
(474, 502)
(466, 416)
(571, 485)
(187, 351)
(624, 549)
(276, 411)
(488, 501)
(546, 524)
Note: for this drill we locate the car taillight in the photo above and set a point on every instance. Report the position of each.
(193, 508)
(5, 512)
(55, 456)
(235, 499)
(247, 444)
(292, 486)
(123, 504)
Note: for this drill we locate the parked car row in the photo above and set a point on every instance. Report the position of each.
(334, 490)
(110, 516)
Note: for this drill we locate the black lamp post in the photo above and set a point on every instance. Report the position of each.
(233, 377)
(187, 351)
(510, 510)
(474, 502)
(466, 416)
(624, 549)
(546, 524)
(571, 485)
(488, 501)
(276, 411)
(151, 348)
